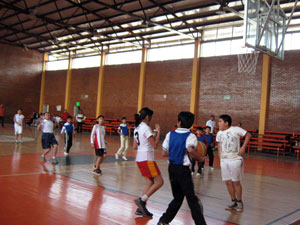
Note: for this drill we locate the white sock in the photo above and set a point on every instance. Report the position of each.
(144, 198)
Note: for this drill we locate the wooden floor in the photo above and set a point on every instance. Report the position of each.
(35, 193)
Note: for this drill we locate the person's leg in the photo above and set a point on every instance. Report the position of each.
(70, 142)
(157, 183)
(195, 205)
(80, 127)
(199, 171)
(149, 183)
(46, 151)
(193, 165)
(20, 138)
(237, 190)
(178, 195)
(126, 142)
(2, 121)
(230, 189)
(122, 140)
(54, 150)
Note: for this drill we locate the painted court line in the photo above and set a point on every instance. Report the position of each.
(282, 217)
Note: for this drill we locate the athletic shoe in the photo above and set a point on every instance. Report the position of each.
(232, 206)
(138, 212)
(192, 173)
(198, 174)
(142, 207)
(54, 161)
(117, 156)
(43, 158)
(211, 169)
(65, 153)
(124, 158)
(21, 142)
(98, 171)
(239, 206)
(16, 142)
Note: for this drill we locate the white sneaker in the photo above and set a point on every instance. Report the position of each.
(117, 156)
(211, 169)
(192, 173)
(124, 158)
(198, 174)
(65, 153)
(21, 142)
(16, 141)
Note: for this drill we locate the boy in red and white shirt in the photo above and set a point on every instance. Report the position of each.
(98, 142)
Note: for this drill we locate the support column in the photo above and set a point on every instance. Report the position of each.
(195, 79)
(100, 84)
(42, 94)
(68, 85)
(265, 90)
(142, 79)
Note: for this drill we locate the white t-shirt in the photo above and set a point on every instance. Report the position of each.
(230, 142)
(211, 124)
(80, 118)
(19, 119)
(190, 141)
(145, 150)
(47, 126)
(97, 136)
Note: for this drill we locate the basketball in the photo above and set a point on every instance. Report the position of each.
(201, 148)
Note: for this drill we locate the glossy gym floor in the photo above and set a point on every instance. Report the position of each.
(37, 193)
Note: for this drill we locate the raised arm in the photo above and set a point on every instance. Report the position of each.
(154, 142)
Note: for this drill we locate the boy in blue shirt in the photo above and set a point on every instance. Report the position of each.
(201, 138)
(68, 129)
(123, 130)
(210, 139)
(180, 145)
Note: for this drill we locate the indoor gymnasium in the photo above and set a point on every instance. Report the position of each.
(145, 112)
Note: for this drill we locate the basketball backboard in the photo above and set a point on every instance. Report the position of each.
(265, 25)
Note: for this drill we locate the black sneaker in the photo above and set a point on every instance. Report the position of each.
(142, 207)
(161, 223)
(231, 206)
(98, 171)
(138, 212)
(54, 161)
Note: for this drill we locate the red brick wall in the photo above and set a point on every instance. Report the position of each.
(219, 78)
(121, 86)
(170, 79)
(20, 78)
(55, 86)
(284, 109)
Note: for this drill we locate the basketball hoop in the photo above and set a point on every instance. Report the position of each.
(247, 61)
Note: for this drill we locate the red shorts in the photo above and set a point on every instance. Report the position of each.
(148, 169)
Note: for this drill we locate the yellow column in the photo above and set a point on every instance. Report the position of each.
(42, 94)
(100, 84)
(68, 85)
(195, 79)
(265, 90)
(142, 79)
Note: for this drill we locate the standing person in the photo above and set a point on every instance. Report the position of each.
(212, 124)
(145, 144)
(179, 145)
(19, 122)
(80, 118)
(98, 143)
(68, 130)
(210, 139)
(123, 130)
(48, 138)
(200, 138)
(64, 116)
(230, 153)
(2, 112)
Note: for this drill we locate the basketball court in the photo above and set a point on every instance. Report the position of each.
(115, 57)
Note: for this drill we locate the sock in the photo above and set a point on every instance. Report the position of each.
(234, 200)
(53, 157)
(144, 198)
(238, 200)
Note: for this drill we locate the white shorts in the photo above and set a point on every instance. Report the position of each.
(18, 129)
(232, 169)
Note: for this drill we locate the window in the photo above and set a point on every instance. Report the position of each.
(169, 53)
(57, 65)
(124, 58)
(86, 62)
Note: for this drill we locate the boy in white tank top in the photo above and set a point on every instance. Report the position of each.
(18, 125)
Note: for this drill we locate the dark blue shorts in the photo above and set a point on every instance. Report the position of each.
(100, 152)
(48, 140)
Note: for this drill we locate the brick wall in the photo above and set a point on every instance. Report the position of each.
(20, 78)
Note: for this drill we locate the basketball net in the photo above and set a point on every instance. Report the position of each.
(247, 61)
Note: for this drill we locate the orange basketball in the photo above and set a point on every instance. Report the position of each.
(201, 148)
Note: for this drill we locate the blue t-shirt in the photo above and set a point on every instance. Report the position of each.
(124, 129)
(177, 148)
(68, 128)
(202, 139)
(209, 138)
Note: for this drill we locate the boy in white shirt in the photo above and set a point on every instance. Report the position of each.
(212, 124)
(145, 144)
(98, 143)
(48, 138)
(231, 159)
(19, 122)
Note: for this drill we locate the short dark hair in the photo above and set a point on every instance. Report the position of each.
(199, 128)
(208, 127)
(226, 118)
(123, 118)
(20, 109)
(186, 119)
(69, 117)
(100, 117)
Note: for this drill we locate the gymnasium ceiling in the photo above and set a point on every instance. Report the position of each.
(85, 27)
